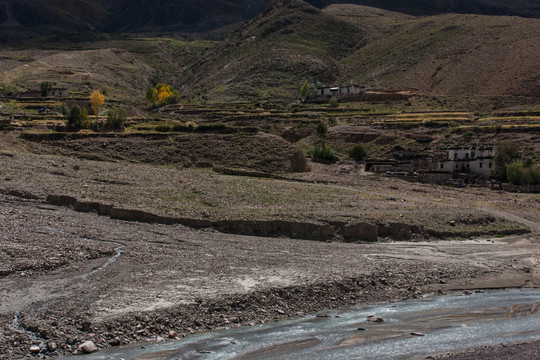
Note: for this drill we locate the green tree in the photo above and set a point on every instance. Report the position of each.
(46, 87)
(151, 95)
(305, 90)
(505, 154)
(64, 109)
(116, 117)
(77, 118)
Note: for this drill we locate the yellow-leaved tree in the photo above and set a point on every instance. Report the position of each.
(97, 99)
(164, 92)
(161, 94)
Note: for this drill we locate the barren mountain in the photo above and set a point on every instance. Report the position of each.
(28, 17)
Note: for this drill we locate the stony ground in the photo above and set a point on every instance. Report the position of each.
(70, 276)
(327, 194)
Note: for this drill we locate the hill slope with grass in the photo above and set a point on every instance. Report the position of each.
(273, 54)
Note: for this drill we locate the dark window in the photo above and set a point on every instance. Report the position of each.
(490, 165)
(457, 166)
(442, 165)
(481, 165)
(468, 166)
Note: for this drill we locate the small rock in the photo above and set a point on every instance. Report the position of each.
(361, 329)
(159, 339)
(76, 167)
(51, 346)
(172, 334)
(373, 318)
(279, 311)
(322, 315)
(35, 349)
(452, 223)
(88, 347)
(234, 342)
(467, 292)
(418, 334)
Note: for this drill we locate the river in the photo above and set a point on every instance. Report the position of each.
(410, 329)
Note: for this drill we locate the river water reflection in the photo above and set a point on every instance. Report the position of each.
(442, 324)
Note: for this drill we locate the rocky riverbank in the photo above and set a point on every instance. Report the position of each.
(135, 282)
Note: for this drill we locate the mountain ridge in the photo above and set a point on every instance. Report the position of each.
(196, 16)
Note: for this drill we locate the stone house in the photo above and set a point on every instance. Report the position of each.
(469, 159)
(58, 92)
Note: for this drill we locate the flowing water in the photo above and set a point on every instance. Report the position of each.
(411, 329)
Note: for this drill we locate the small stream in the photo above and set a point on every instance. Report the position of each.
(441, 324)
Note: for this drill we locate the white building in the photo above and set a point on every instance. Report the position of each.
(344, 90)
(474, 159)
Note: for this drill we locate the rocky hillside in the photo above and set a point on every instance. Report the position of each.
(450, 54)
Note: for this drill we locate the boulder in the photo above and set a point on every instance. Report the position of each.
(88, 347)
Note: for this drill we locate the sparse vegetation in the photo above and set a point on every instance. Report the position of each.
(116, 117)
(323, 152)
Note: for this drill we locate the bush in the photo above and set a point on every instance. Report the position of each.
(468, 134)
(518, 174)
(333, 101)
(210, 127)
(358, 152)
(116, 117)
(323, 152)
(187, 127)
(179, 128)
(163, 128)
